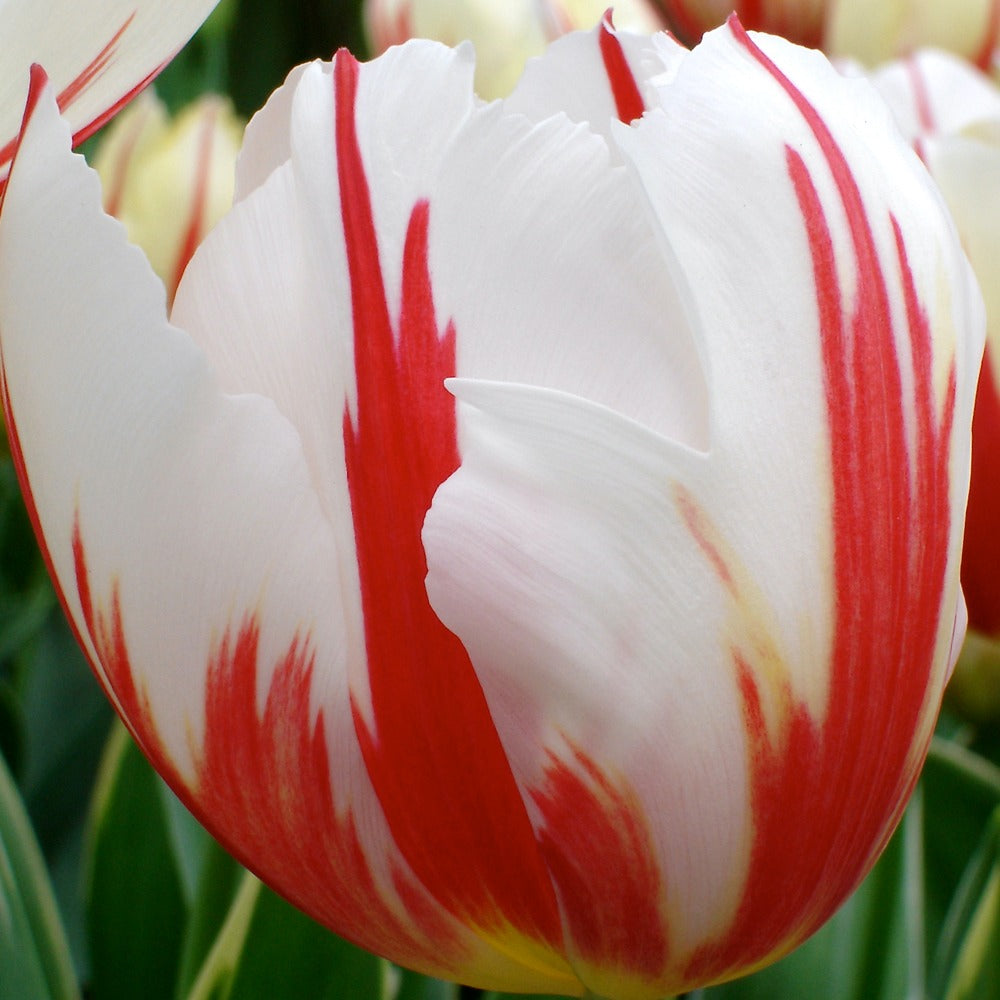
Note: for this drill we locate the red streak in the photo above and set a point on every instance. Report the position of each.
(92, 71)
(434, 756)
(826, 797)
(628, 99)
(263, 785)
(981, 554)
(597, 845)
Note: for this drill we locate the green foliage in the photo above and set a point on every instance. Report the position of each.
(34, 956)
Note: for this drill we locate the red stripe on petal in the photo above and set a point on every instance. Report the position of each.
(434, 756)
(981, 554)
(597, 844)
(826, 794)
(628, 98)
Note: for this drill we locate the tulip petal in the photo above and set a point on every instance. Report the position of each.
(339, 257)
(98, 55)
(202, 575)
(794, 629)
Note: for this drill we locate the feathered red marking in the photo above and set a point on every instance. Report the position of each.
(821, 815)
(597, 844)
(434, 754)
(628, 98)
(263, 787)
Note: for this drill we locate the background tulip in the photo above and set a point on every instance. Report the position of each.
(951, 112)
(169, 182)
(607, 664)
(876, 32)
(99, 54)
(799, 20)
(505, 34)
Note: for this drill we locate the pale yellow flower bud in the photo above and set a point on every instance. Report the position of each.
(170, 182)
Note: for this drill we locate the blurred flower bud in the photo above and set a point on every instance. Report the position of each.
(170, 182)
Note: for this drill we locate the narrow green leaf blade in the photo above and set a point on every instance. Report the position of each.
(967, 965)
(268, 950)
(135, 901)
(34, 957)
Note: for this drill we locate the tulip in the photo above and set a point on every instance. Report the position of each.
(169, 183)
(875, 32)
(532, 544)
(99, 54)
(951, 113)
(505, 32)
(800, 20)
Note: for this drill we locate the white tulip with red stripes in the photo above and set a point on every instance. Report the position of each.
(98, 54)
(532, 542)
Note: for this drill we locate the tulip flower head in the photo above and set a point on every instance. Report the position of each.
(951, 113)
(532, 543)
(801, 21)
(170, 182)
(505, 33)
(99, 54)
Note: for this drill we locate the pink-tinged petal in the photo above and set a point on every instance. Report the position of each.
(748, 636)
(97, 54)
(202, 575)
(595, 77)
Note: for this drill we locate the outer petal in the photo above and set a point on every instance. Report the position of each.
(204, 579)
(98, 54)
(719, 650)
(876, 32)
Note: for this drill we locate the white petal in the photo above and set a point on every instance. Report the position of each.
(545, 259)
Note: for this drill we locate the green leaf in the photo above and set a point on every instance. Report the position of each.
(413, 986)
(967, 965)
(961, 790)
(135, 900)
(219, 880)
(873, 947)
(34, 957)
(67, 720)
(268, 950)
